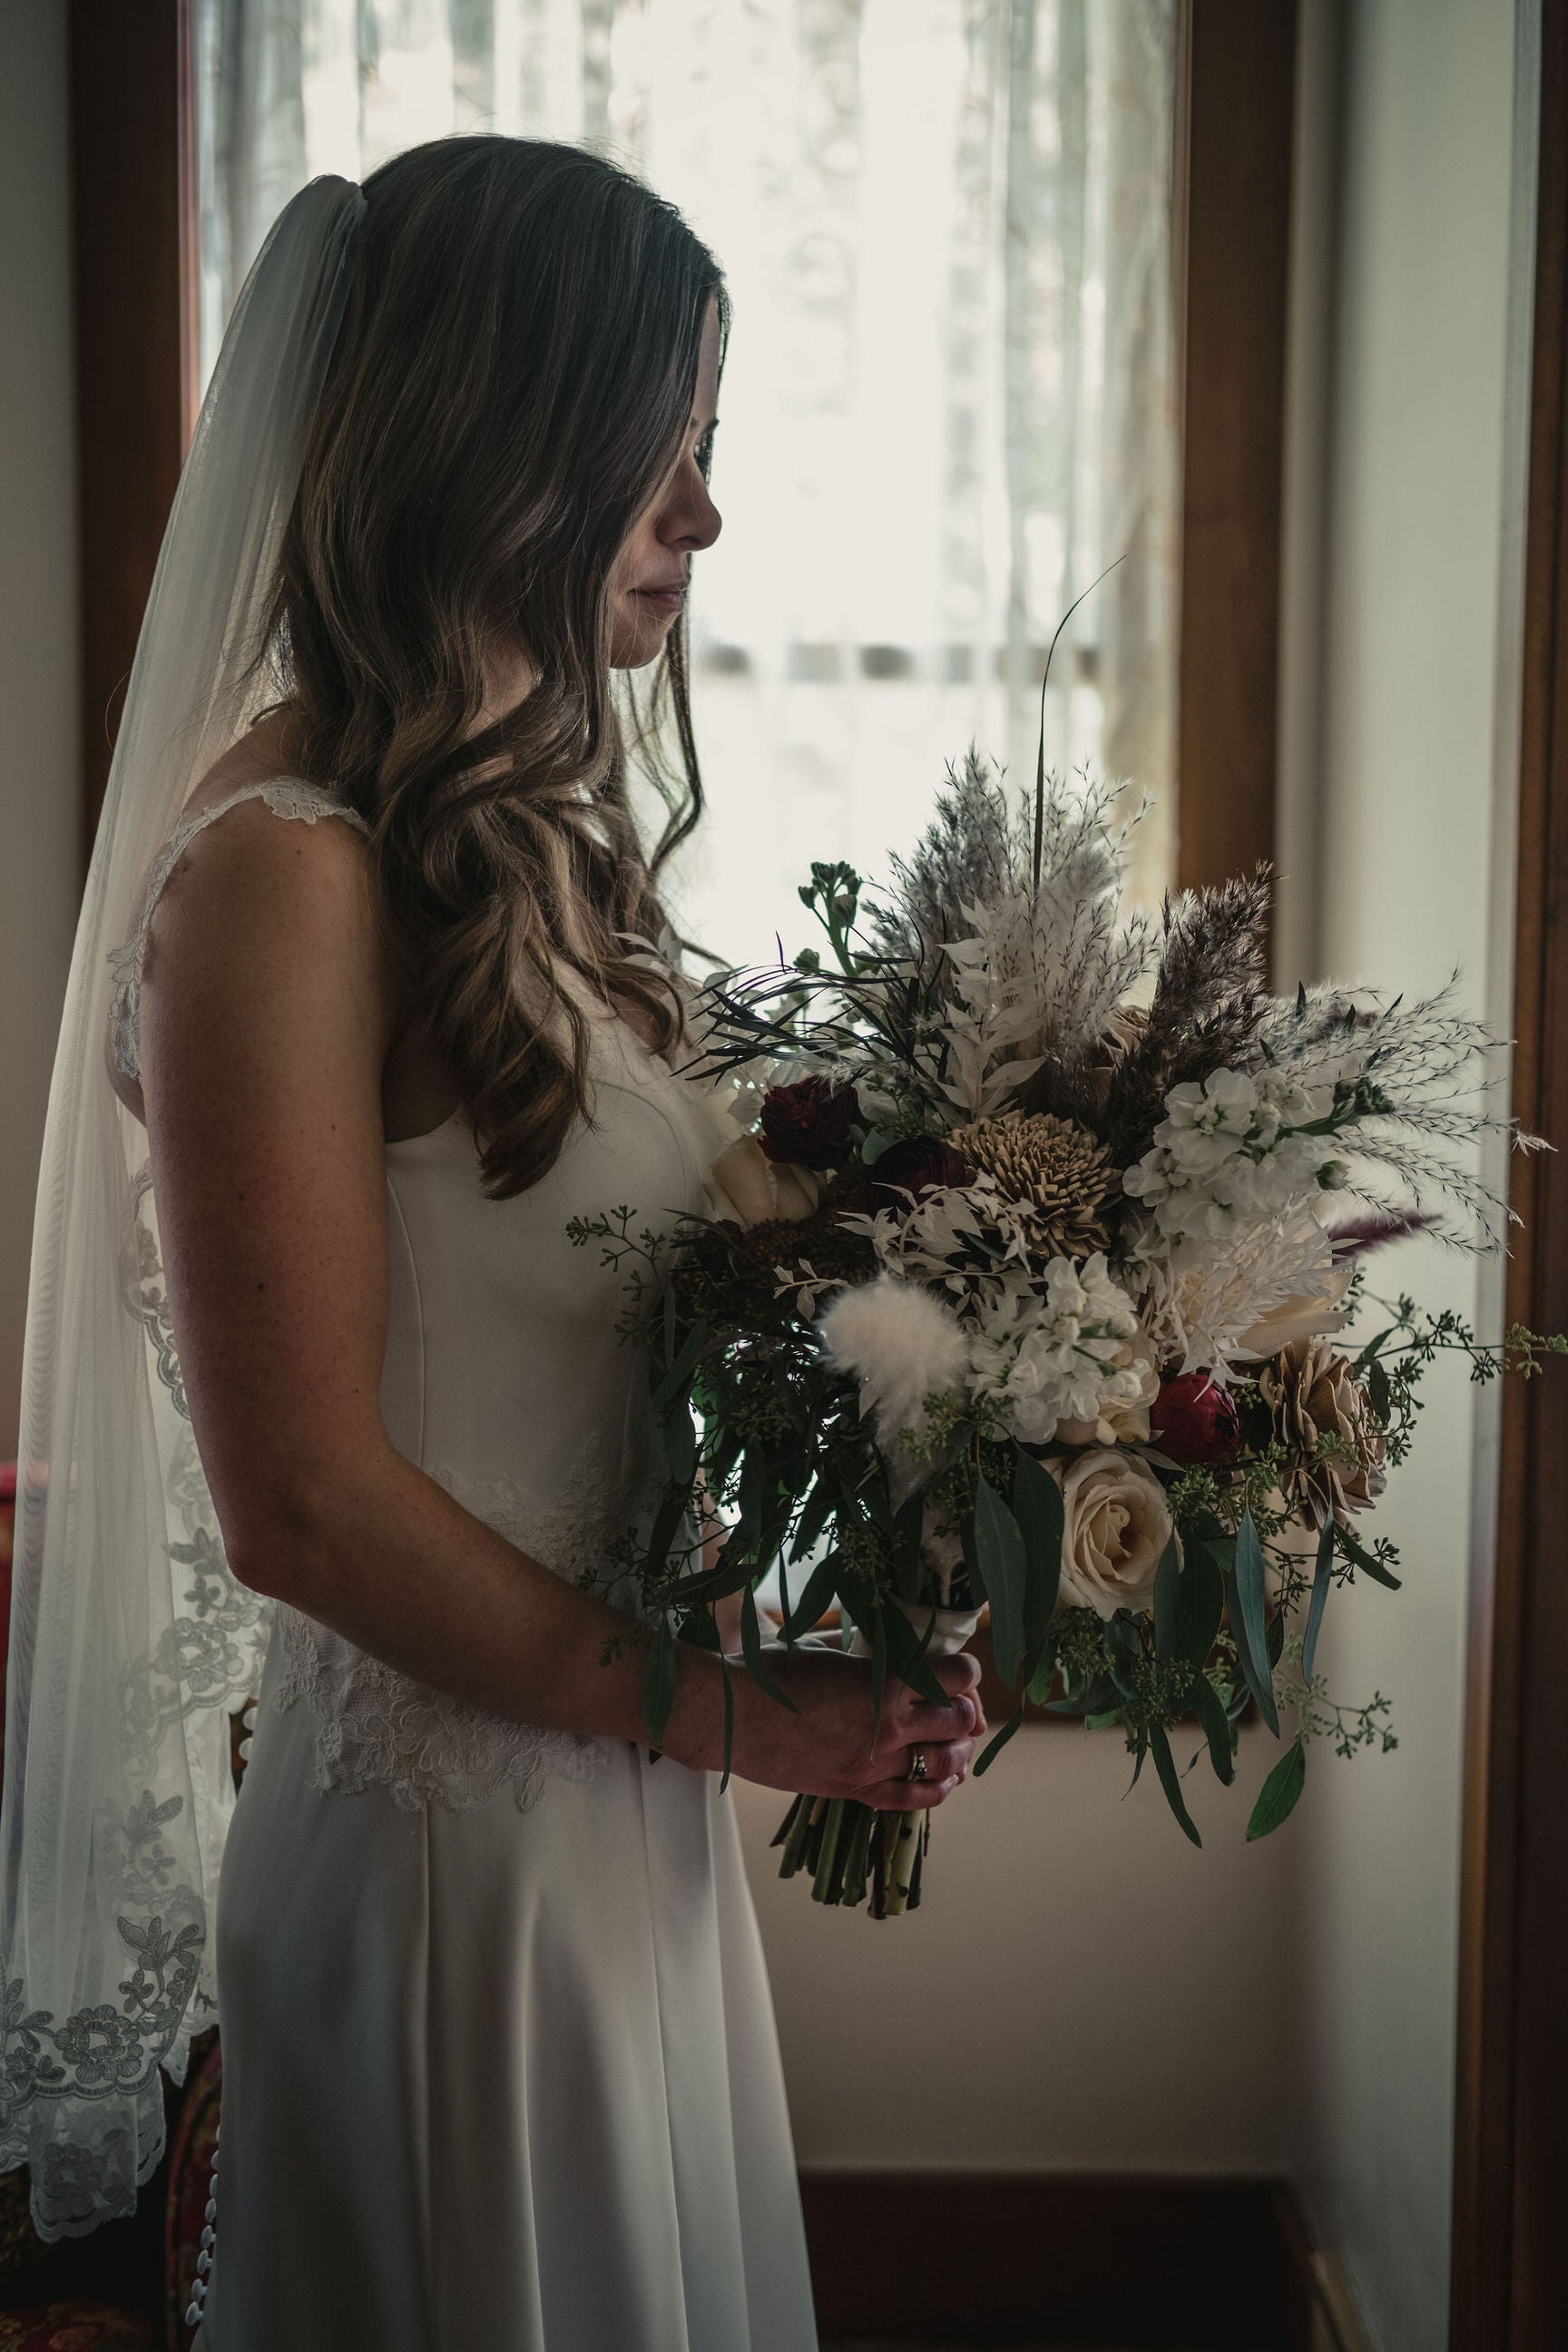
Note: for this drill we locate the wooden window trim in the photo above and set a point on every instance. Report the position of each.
(1237, 97)
(134, 259)
(1509, 2253)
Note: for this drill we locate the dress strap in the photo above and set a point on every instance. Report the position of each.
(287, 797)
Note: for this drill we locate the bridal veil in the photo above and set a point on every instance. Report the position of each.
(131, 1644)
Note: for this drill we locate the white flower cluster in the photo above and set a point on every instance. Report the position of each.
(1230, 1152)
(1060, 1358)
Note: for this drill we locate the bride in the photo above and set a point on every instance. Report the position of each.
(500, 2066)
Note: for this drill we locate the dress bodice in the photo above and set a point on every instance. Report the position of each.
(507, 1377)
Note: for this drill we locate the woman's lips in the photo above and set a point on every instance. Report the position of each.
(664, 600)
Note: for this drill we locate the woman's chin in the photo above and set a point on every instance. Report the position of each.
(638, 640)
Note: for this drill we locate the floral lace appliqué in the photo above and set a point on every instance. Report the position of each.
(379, 1729)
(286, 797)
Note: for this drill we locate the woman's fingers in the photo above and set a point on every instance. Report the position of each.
(922, 1720)
(946, 1762)
(906, 1795)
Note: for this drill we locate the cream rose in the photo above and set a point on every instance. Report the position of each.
(744, 1184)
(1117, 1525)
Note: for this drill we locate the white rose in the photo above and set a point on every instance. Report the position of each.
(1117, 1524)
(744, 1184)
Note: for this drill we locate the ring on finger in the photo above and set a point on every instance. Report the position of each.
(918, 1768)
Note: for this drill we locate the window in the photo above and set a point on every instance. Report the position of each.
(950, 401)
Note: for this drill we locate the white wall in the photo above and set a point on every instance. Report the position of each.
(1391, 749)
(40, 784)
(1080, 1990)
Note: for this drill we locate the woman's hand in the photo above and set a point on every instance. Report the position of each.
(826, 1747)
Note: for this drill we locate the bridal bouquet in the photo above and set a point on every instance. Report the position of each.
(1038, 1230)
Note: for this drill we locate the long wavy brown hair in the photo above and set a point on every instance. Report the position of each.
(511, 383)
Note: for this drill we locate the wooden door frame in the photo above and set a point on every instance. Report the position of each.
(1510, 2255)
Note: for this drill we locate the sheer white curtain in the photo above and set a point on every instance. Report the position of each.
(949, 404)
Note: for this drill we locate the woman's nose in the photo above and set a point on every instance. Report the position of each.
(690, 519)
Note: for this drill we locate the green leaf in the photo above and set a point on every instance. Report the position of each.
(1000, 1546)
(1380, 1391)
(1201, 1601)
(752, 1650)
(1037, 1508)
(1321, 1578)
(820, 1587)
(1215, 1724)
(1168, 1602)
(659, 1683)
(993, 1747)
(908, 1570)
(1045, 1672)
(1249, 1596)
(729, 1727)
(680, 1371)
(1278, 1796)
(813, 1518)
(907, 1655)
(679, 1439)
(879, 1668)
(1364, 1559)
(1165, 1764)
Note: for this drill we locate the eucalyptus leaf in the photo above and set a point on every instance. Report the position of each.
(1200, 1603)
(1168, 1602)
(1364, 1559)
(1320, 1581)
(729, 1727)
(993, 1747)
(680, 1438)
(1000, 1546)
(907, 1656)
(752, 1650)
(1215, 1724)
(1278, 1796)
(680, 1371)
(1250, 1598)
(813, 1517)
(1166, 1766)
(659, 1683)
(815, 1599)
(1037, 1508)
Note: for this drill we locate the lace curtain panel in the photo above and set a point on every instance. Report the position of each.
(950, 401)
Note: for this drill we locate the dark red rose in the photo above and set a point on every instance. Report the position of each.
(920, 1164)
(1194, 1420)
(808, 1122)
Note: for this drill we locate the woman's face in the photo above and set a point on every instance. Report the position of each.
(649, 578)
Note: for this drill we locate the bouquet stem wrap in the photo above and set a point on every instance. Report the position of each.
(854, 1853)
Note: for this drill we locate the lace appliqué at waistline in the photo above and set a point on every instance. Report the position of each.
(379, 1729)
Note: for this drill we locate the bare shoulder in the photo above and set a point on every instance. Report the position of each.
(271, 923)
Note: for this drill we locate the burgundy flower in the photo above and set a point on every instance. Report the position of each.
(1194, 1420)
(920, 1164)
(808, 1122)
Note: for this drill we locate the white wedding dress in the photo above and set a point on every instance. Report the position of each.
(501, 2072)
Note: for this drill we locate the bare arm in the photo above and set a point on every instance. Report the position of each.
(266, 1015)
